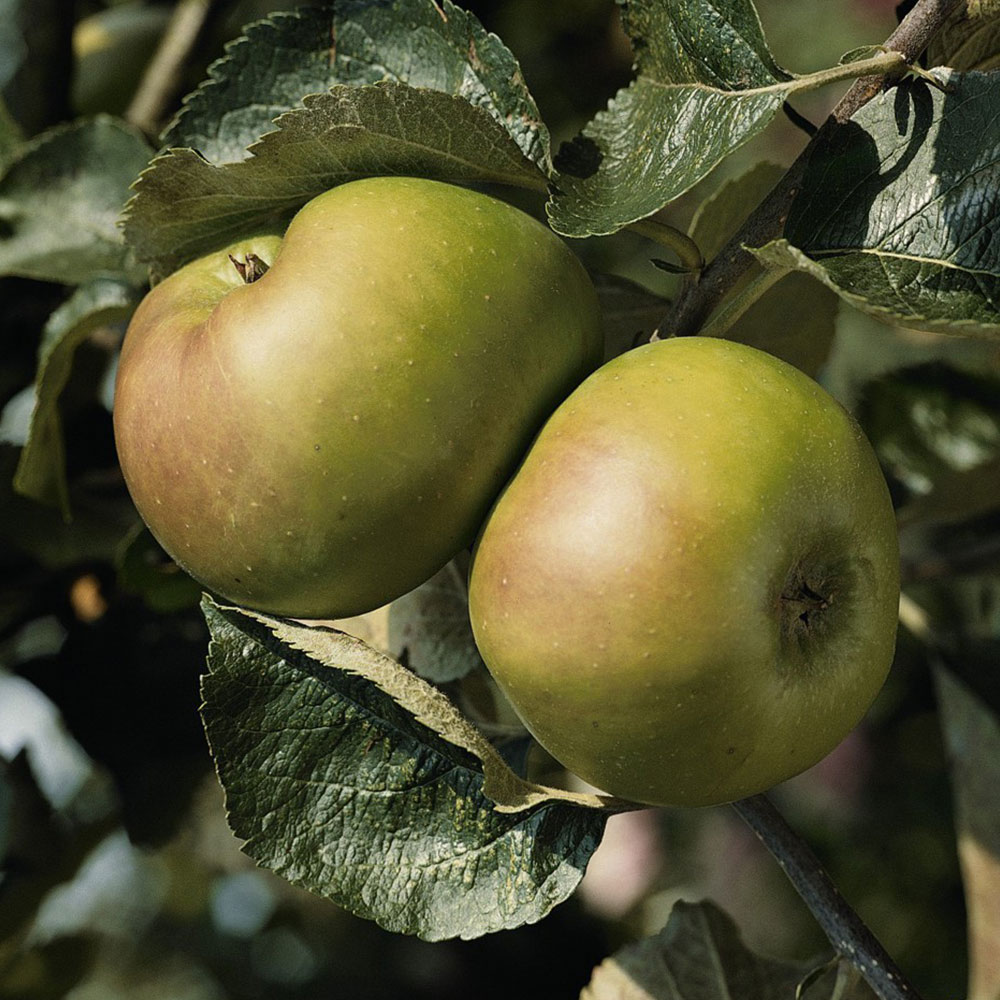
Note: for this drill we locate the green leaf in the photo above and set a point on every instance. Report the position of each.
(429, 628)
(699, 955)
(44, 847)
(11, 138)
(705, 84)
(972, 739)
(112, 49)
(185, 206)
(630, 313)
(360, 782)
(41, 472)
(60, 199)
(970, 38)
(426, 44)
(13, 47)
(931, 421)
(146, 570)
(899, 211)
(796, 319)
(101, 520)
(721, 214)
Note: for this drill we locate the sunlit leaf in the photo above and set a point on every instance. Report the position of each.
(359, 781)
(705, 83)
(185, 205)
(422, 43)
(970, 38)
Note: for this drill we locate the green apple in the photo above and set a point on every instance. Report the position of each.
(322, 439)
(689, 590)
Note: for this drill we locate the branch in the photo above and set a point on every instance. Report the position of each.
(163, 77)
(846, 931)
(696, 302)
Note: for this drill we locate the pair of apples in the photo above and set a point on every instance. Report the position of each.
(687, 587)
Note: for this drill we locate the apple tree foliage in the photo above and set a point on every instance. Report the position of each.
(347, 767)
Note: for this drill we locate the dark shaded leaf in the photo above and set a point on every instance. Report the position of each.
(796, 318)
(899, 211)
(630, 313)
(699, 955)
(41, 472)
(430, 628)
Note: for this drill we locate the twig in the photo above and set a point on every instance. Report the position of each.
(695, 303)
(846, 931)
(163, 76)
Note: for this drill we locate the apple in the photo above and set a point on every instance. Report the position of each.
(689, 590)
(313, 425)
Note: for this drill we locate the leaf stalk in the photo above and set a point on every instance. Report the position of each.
(685, 248)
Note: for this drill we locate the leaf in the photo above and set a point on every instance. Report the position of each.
(705, 84)
(928, 422)
(721, 214)
(699, 955)
(146, 570)
(13, 47)
(360, 782)
(41, 471)
(630, 313)
(185, 206)
(899, 211)
(430, 629)
(101, 520)
(969, 39)
(60, 199)
(11, 137)
(972, 739)
(432, 45)
(111, 50)
(796, 319)
(44, 847)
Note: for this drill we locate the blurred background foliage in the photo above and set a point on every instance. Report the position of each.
(119, 875)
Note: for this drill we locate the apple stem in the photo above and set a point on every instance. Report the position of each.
(847, 932)
(250, 268)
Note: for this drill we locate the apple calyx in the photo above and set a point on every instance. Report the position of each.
(250, 268)
(803, 603)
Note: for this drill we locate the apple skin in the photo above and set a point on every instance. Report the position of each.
(319, 441)
(649, 589)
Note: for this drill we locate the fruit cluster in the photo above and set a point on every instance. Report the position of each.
(687, 587)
